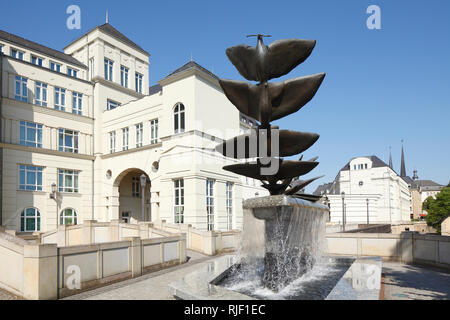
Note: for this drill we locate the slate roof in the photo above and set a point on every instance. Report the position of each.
(322, 189)
(191, 65)
(376, 163)
(113, 32)
(155, 89)
(19, 41)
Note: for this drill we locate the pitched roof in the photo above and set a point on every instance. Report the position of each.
(376, 163)
(193, 65)
(322, 189)
(113, 32)
(6, 36)
(154, 89)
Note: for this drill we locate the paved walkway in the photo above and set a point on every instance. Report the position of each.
(152, 286)
(406, 282)
(4, 295)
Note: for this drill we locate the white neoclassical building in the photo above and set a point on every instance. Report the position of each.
(81, 128)
(367, 186)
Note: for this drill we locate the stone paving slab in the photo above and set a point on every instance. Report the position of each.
(4, 295)
(412, 282)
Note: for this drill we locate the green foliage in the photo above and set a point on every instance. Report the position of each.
(438, 208)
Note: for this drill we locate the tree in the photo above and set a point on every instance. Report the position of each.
(438, 209)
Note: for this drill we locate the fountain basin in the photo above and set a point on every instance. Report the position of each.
(361, 280)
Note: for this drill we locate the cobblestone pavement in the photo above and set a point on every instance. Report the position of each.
(411, 282)
(152, 286)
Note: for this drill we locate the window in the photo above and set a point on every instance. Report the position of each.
(30, 134)
(154, 131)
(91, 68)
(30, 220)
(21, 90)
(41, 94)
(77, 103)
(365, 165)
(30, 178)
(17, 54)
(139, 132)
(139, 78)
(60, 99)
(109, 69)
(112, 105)
(229, 197)
(135, 187)
(1, 48)
(72, 72)
(68, 217)
(68, 181)
(124, 76)
(55, 66)
(210, 204)
(36, 60)
(179, 118)
(112, 142)
(68, 141)
(125, 138)
(179, 201)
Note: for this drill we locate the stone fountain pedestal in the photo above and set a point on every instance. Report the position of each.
(294, 233)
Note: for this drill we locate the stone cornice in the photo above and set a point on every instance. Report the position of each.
(46, 151)
(118, 87)
(120, 153)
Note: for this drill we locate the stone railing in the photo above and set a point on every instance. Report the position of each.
(93, 232)
(206, 242)
(61, 267)
(407, 247)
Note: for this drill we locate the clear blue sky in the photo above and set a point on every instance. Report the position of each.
(382, 86)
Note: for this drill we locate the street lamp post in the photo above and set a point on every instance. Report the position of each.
(343, 211)
(143, 183)
(367, 200)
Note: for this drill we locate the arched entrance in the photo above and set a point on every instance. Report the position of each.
(131, 196)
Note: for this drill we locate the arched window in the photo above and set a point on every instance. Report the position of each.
(178, 113)
(68, 217)
(30, 220)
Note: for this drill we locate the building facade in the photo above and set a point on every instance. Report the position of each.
(367, 189)
(80, 129)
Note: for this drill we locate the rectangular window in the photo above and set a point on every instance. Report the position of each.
(125, 138)
(60, 99)
(139, 132)
(154, 131)
(112, 142)
(72, 72)
(17, 54)
(178, 201)
(112, 105)
(1, 48)
(30, 134)
(36, 60)
(21, 90)
(68, 141)
(109, 69)
(41, 94)
(229, 197)
(135, 187)
(91, 68)
(68, 181)
(139, 78)
(210, 204)
(55, 66)
(77, 103)
(365, 165)
(30, 178)
(124, 76)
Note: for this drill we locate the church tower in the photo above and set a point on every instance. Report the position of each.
(403, 167)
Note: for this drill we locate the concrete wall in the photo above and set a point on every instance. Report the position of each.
(407, 247)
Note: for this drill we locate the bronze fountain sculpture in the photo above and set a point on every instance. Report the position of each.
(266, 102)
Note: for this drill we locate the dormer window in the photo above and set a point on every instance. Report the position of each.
(55, 66)
(36, 60)
(17, 54)
(72, 72)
